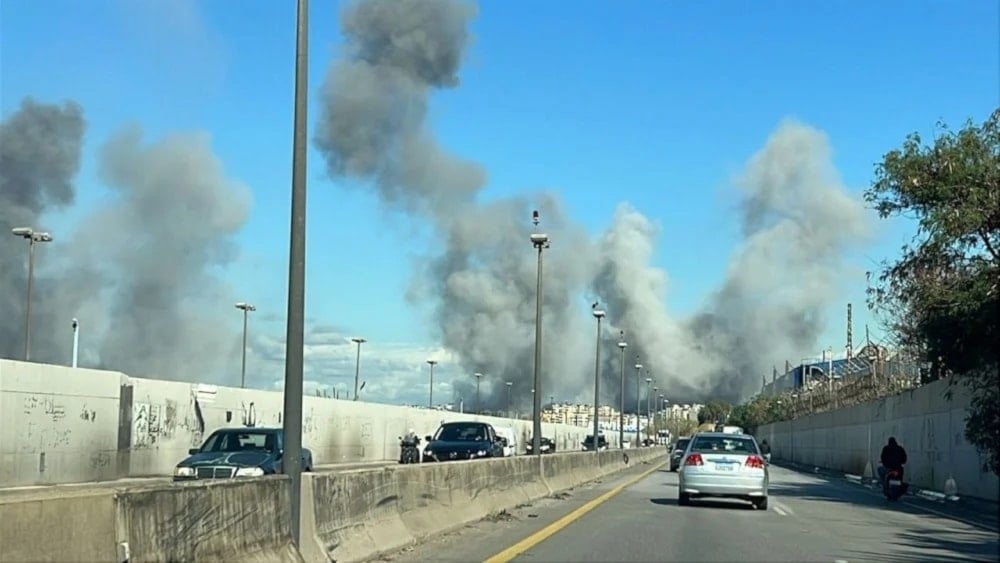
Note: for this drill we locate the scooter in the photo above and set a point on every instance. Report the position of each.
(894, 486)
(409, 450)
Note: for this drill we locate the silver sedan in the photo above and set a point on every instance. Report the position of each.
(723, 465)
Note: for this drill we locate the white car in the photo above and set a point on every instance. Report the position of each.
(717, 464)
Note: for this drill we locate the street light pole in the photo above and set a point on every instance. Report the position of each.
(76, 341)
(649, 381)
(598, 314)
(357, 364)
(479, 406)
(540, 241)
(638, 393)
(621, 407)
(294, 337)
(656, 408)
(509, 385)
(430, 400)
(246, 308)
(32, 237)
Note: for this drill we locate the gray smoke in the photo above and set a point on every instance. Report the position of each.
(39, 157)
(141, 271)
(797, 220)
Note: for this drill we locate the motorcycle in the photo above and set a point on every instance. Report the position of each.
(409, 450)
(894, 487)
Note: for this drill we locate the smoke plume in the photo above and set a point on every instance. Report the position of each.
(797, 221)
(39, 157)
(140, 271)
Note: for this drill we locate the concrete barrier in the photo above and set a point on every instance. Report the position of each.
(357, 515)
(245, 520)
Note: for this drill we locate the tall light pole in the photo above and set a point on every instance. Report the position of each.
(540, 241)
(509, 385)
(430, 400)
(638, 394)
(357, 364)
(656, 409)
(479, 406)
(33, 237)
(294, 345)
(598, 314)
(76, 340)
(649, 381)
(246, 308)
(621, 407)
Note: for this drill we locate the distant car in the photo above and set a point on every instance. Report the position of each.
(463, 440)
(588, 442)
(717, 464)
(238, 452)
(678, 452)
(545, 445)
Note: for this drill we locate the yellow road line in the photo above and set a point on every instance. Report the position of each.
(546, 532)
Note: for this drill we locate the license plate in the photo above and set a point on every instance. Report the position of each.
(895, 483)
(724, 467)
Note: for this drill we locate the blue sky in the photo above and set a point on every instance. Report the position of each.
(656, 103)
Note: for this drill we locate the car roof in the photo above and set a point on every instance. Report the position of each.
(250, 429)
(465, 423)
(723, 435)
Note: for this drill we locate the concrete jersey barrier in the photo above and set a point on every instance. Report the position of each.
(354, 516)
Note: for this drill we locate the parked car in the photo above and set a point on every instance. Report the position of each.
(508, 436)
(545, 445)
(678, 452)
(463, 440)
(718, 464)
(238, 452)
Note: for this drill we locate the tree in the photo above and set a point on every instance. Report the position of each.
(756, 412)
(714, 411)
(941, 297)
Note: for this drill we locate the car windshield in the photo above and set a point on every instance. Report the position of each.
(241, 441)
(724, 444)
(461, 433)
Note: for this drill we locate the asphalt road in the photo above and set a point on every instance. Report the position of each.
(811, 518)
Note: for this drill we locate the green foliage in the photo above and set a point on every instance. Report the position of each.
(680, 427)
(758, 411)
(942, 295)
(714, 411)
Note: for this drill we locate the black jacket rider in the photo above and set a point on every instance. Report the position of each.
(893, 455)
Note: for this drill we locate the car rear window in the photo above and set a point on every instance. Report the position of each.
(724, 444)
(681, 444)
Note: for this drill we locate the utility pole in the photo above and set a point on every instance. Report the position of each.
(598, 314)
(540, 241)
(246, 308)
(638, 398)
(621, 408)
(479, 407)
(357, 364)
(430, 399)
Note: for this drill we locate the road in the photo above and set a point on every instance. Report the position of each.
(811, 518)
(13, 494)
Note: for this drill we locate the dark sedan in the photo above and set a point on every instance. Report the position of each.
(677, 452)
(546, 445)
(463, 440)
(238, 452)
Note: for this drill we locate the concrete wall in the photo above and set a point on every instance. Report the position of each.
(923, 421)
(65, 527)
(354, 516)
(64, 425)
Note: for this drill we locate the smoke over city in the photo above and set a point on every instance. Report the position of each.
(797, 221)
(138, 271)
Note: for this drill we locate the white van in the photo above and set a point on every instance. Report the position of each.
(508, 434)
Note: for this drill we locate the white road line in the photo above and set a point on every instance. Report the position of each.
(779, 510)
(840, 561)
(786, 510)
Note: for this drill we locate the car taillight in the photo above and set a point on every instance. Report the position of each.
(755, 461)
(694, 459)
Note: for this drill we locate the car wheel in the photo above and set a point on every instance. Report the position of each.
(760, 503)
(684, 499)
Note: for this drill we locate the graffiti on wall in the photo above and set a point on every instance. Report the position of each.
(152, 423)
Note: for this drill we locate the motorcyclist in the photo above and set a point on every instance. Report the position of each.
(765, 450)
(893, 458)
(410, 442)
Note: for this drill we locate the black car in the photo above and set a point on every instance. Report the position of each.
(238, 452)
(463, 440)
(546, 445)
(602, 442)
(677, 451)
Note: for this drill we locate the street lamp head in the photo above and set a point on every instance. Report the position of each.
(25, 232)
(358, 340)
(41, 237)
(638, 366)
(432, 362)
(649, 380)
(76, 323)
(477, 374)
(539, 239)
(598, 313)
(510, 383)
(623, 345)
(245, 306)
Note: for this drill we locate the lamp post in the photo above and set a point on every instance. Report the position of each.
(76, 340)
(246, 308)
(430, 400)
(295, 329)
(598, 314)
(638, 393)
(509, 385)
(357, 364)
(479, 408)
(621, 407)
(649, 381)
(33, 237)
(656, 408)
(540, 241)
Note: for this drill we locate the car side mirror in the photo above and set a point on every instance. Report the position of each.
(428, 438)
(193, 451)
